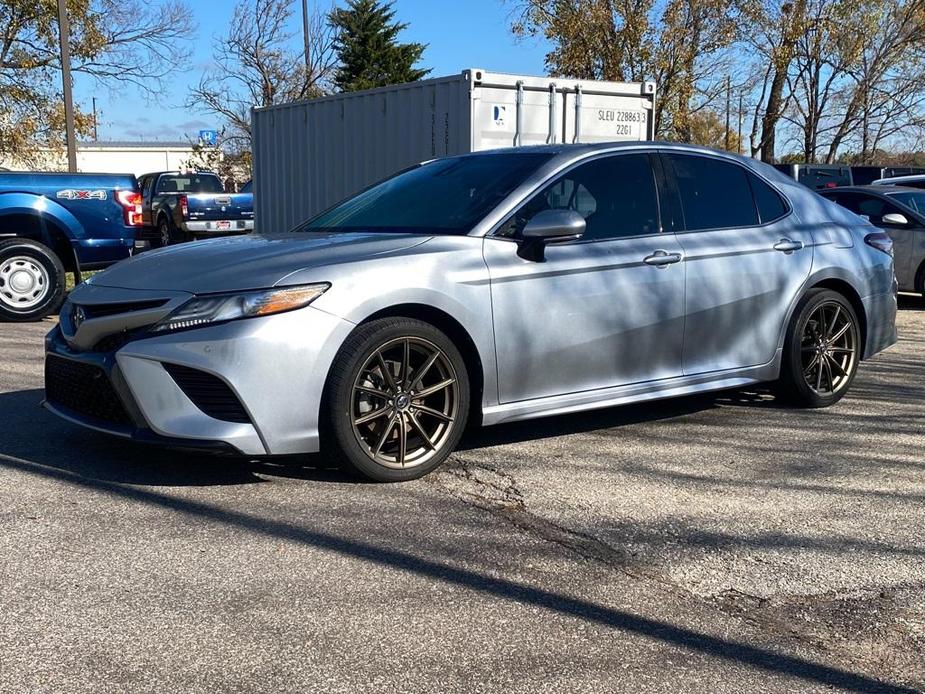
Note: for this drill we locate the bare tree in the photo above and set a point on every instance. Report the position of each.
(826, 54)
(678, 43)
(141, 45)
(259, 63)
(772, 32)
(884, 92)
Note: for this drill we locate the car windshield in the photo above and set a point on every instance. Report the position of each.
(911, 198)
(448, 196)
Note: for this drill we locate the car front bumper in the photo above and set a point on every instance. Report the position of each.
(274, 366)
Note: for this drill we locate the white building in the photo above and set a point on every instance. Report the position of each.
(112, 157)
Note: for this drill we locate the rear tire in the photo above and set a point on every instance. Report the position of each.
(167, 235)
(822, 350)
(396, 401)
(32, 281)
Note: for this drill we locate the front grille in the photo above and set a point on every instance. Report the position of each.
(100, 310)
(209, 393)
(111, 343)
(84, 389)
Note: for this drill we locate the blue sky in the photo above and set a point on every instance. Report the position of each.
(460, 34)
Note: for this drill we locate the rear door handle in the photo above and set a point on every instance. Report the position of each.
(788, 246)
(662, 258)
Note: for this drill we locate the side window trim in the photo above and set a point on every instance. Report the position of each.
(650, 154)
(672, 209)
(670, 174)
(751, 177)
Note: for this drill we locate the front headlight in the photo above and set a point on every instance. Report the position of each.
(218, 308)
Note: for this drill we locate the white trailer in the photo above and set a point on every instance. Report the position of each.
(309, 155)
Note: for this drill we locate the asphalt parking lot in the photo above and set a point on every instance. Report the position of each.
(718, 543)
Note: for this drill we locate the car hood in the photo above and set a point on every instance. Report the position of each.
(252, 261)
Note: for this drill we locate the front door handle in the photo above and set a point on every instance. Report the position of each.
(662, 259)
(788, 246)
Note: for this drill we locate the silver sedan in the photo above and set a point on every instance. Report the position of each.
(479, 289)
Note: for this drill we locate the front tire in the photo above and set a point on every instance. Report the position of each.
(822, 350)
(396, 401)
(32, 281)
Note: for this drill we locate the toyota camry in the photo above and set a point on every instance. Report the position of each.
(479, 289)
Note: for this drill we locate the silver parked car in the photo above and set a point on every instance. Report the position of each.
(485, 288)
(900, 212)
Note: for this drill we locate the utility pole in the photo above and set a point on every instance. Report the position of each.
(96, 134)
(739, 145)
(728, 105)
(308, 48)
(64, 35)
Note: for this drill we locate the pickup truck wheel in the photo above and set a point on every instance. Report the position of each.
(167, 234)
(164, 237)
(31, 281)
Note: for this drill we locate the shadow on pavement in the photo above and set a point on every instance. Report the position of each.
(33, 446)
(718, 647)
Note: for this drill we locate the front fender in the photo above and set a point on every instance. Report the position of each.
(449, 276)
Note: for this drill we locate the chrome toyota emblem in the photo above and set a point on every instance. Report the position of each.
(78, 316)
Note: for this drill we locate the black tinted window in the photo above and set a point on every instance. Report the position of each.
(714, 194)
(616, 196)
(873, 208)
(818, 177)
(192, 183)
(915, 200)
(770, 204)
(446, 196)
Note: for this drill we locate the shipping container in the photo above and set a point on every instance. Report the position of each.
(309, 155)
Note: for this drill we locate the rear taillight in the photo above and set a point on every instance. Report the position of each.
(880, 241)
(184, 206)
(131, 206)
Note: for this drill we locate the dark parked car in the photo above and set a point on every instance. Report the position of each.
(185, 206)
(900, 212)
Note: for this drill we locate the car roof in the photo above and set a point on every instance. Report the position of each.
(178, 173)
(871, 189)
(565, 152)
(899, 179)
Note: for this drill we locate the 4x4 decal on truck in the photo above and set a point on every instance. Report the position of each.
(71, 194)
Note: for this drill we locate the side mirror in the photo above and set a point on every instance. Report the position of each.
(554, 225)
(894, 219)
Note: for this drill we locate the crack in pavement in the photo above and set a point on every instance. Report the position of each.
(491, 489)
(810, 621)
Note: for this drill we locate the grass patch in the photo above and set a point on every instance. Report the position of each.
(69, 284)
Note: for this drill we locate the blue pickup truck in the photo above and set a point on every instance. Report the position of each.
(55, 223)
(188, 205)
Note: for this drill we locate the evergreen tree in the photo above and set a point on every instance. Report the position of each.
(369, 54)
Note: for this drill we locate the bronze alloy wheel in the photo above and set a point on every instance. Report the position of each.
(405, 400)
(829, 348)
